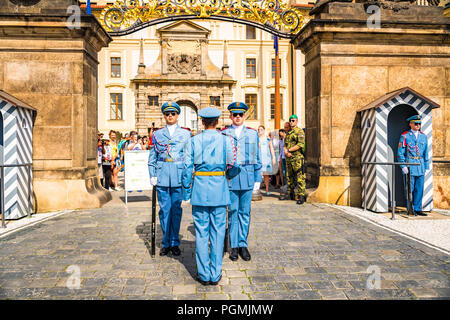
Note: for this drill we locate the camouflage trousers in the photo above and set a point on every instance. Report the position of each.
(295, 179)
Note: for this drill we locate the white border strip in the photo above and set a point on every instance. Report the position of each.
(343, 209)
(26, 222)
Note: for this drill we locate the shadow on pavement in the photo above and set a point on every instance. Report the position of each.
(187, 257)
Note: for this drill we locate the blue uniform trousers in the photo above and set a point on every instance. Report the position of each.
(170, 199)
(210, 228)
(239, 217)
(416, 190)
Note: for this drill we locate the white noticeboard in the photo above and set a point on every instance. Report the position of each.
(136, 171)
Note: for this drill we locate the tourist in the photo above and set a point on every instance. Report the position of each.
(267, 157)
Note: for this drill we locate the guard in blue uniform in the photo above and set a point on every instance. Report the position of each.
(208, 162)
(165, 167)
(413, 148)
(248, 159)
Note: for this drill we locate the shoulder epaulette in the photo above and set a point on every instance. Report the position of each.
(251, 128)
(186, 129)
(406, 132)
(224, 129)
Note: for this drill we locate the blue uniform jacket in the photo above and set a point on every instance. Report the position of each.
(208, 151)
(248, 159)
(166, 156)
(414, 150)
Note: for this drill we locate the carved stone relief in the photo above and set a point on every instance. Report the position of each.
(184, 63)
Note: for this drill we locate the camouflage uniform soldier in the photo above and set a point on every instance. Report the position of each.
(294, 147)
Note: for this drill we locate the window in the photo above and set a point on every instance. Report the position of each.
(272, 106)
(115, 67)
(250, 32)
(273, 67)
(251, 67)
(116, 106)
(251, 102)
(214, 101)
(153, 101)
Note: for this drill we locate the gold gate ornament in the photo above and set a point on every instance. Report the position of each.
(127, 16)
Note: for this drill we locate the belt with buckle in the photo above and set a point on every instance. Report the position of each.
(209, 173)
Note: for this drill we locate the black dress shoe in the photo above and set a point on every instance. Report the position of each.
(234, 255)
(215, 283)
(301, 200)
(175, 250)
(245, 255)
(164, 251)
(292, 196)
(421, 213)
(205, 283)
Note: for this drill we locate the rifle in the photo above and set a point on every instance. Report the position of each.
(227, 236)
(153, 220)
(409, 193)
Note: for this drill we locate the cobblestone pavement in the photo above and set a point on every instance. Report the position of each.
(298, 252)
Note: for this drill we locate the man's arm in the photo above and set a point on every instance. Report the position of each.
(300, 142)
(258, 166)
(401, 151)
(152, 160)
(425, 154)
(188, 164)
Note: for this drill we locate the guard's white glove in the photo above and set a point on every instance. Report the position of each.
(257, 186)
(405, 170)
(153, 181)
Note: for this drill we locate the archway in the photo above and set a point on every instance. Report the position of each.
(396, 125)
(188, 116)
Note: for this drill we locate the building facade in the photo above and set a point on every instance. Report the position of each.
(196, 63)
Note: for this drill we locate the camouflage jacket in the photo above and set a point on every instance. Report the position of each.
(295, 137)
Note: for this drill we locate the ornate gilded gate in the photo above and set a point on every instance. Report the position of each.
(274, 16)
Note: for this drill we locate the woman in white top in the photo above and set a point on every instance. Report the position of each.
(267, 156)
(135, 143)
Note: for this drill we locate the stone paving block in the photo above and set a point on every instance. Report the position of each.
(207, 289)
(319, 285)
(263, 279)
(158, 290)
(239, 296)
(58, 292)
(189, 297)
(254, 288)
(217, 296)
(239, 281)
(301, 285)
(183, 289)
(390, 294)
(424, 293)
(332, 295)
(308, 294)
(133, 290)
(443, 292)
(407, 284)
(263, 296)
(341, 284)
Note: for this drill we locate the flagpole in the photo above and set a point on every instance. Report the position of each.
(88, 7)
(277, 86)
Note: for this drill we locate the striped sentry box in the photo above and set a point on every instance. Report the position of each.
(17, 149)
(374, 145)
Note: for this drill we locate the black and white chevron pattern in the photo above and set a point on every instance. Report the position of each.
(18, 149)
(375, 148)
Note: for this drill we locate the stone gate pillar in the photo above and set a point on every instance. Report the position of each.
(54, 69)
(349, 62)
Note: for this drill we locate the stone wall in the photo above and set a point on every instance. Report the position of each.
(54, 69)
(348, 66)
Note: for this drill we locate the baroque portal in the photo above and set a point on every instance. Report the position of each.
(183, 73)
